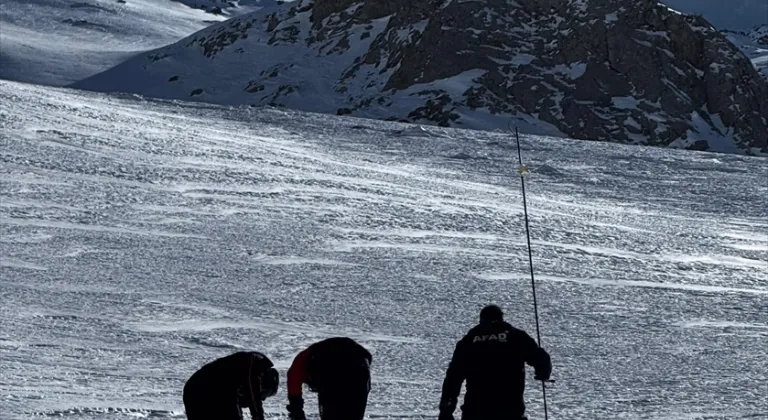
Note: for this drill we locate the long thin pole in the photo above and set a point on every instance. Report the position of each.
(522, 170)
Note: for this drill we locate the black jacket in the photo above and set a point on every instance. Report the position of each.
(229, 380)
(332, 363)
(492, 358)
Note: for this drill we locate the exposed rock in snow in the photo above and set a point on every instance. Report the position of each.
(759, 34)
(229, 7)
(610, 70)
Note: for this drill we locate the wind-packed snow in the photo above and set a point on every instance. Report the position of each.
(734, 15)
(58, 42)
(141, 239)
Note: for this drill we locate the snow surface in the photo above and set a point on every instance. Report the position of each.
(142, 238)
(58, 42)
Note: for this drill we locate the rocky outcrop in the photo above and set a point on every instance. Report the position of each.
(759, 34)
(226, 7)
(609, 70)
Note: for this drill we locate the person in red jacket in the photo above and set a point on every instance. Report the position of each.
(339, 370)
(222, 388)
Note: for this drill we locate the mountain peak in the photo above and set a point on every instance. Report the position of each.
(611, 70)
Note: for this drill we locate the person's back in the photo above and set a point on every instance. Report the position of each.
(335, 358)
(220, 388)
(338, 369)
(491, 358)
(228, 372)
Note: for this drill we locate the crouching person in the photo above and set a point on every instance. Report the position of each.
(222, 388)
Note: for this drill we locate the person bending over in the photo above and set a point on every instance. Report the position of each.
(222, 388)
(339, 370)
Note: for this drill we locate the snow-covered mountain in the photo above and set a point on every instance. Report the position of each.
(58, 42)
(745, 23)
(732, 15)
(140, 239)
(61, 41)
(611, 70)
(754, 44)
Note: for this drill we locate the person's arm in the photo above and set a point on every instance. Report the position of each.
(298, 374)
(537, 358)
(254, 398)
(454, 378)
(255, 406)
(250, 395)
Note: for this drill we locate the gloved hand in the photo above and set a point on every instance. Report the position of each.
(542, 374)
(295, 408)
(542, 366)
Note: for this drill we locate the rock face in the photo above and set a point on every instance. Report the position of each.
(630, 71)
(227, 7)
(759, 34)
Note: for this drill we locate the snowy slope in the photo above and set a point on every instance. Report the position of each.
(140, 239)
(734, 15)
(754, 44)
(573, 72)
(61, 41)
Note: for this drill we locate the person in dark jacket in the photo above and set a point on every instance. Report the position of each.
(491, 358)
(339, 370)
(222, 388)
